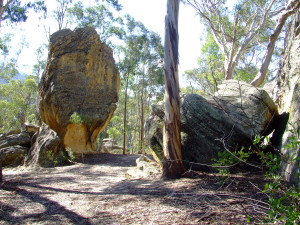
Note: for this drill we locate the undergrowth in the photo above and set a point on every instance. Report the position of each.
(283, 199)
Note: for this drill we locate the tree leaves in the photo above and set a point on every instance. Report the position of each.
(16, 13)
(17, 103)
(239, 30)
(100, 17)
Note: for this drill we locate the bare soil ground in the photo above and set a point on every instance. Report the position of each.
(97, 191)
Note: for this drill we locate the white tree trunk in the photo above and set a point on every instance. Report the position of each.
(290, 10)
(227, 42)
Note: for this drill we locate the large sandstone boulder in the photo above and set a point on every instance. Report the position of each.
(249, 107)
(287, 96)
(230, 119)
(79, 88)
(46, 149)
(154, 131)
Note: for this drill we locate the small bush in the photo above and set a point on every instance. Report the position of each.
(283, 199)
(76, 118)
(227, 159)
(79, 119)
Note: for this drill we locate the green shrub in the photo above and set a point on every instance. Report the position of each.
(79, 119)
(76, 118)
(70, 153)
(283, 199)
(227, 159)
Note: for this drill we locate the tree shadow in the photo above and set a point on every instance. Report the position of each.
(53, 213)
(203, 198)
(200, 197)
(107, 159)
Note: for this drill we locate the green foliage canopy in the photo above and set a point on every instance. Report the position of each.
(101, 17)
(15, 12)
(210, 71)
(239, 31)
(17, 103)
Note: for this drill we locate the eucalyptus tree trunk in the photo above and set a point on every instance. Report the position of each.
(172, 165)
(229, 68)
(125, 115)
(142, 116)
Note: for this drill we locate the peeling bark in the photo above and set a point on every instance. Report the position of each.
(172, 165)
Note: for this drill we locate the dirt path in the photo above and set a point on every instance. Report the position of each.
(97, 191)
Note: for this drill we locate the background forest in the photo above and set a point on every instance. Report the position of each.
(236, 45)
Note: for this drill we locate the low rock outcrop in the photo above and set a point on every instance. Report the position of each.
(230, 119)
(108, 145)
(79, 88)
(13, 147)
(21, 139)
(145, 167)
(13, 155)
(46, 149)
(34, 146)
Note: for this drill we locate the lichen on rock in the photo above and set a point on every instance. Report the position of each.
(229, 119)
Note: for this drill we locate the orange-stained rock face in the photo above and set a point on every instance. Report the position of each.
(77, 138)
(80, 78)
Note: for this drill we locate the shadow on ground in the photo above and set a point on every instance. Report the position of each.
(96, 191)
(110, 160)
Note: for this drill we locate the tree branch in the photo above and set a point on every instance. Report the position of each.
(291, 8)
(4, 8)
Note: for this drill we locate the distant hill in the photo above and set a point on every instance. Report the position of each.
(19, 76)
